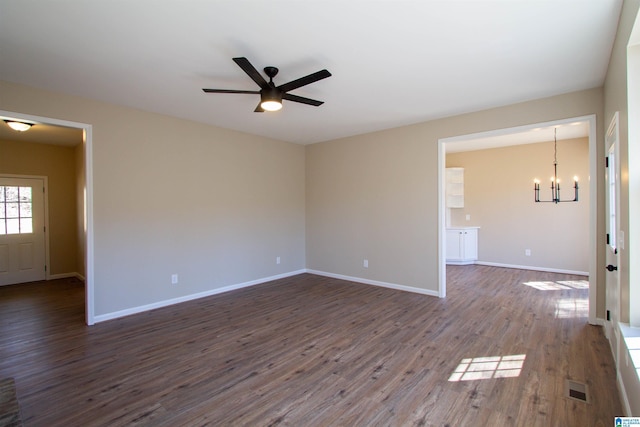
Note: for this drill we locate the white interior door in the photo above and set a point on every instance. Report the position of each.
(22, 233)
(612, 194)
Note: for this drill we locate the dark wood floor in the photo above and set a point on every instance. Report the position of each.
(313, 351)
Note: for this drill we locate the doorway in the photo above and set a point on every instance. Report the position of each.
(22, 230)
(589, 186)
(86, 197)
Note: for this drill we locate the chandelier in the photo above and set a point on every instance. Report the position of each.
(555, 182)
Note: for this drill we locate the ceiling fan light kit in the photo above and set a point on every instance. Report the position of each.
(271, 105)
(271, 96)
(270, 99)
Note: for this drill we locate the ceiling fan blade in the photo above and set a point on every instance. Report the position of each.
(302, 81)
(251, 71)
(229, 91)
(259, 108)
(302, 100)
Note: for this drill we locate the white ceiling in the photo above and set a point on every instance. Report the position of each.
(505, 138)
(43, 133)
(393, 62)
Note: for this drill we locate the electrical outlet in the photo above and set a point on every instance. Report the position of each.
(527, 252)
(277, 260)
(365, 264)
(174, 279)
(468, 217)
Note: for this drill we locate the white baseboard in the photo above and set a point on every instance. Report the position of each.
(185, 298)
(626, 407)
(165, 303)
(65, 276)
(375, 283)
(528, 267)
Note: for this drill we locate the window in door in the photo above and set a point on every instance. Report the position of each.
(16, 210)
(611, 182)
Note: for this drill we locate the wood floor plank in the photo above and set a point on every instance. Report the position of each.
(314, 351)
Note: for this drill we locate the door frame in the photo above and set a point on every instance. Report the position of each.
(593, 200)
(87, 152)
(45, 183)
(612, 324)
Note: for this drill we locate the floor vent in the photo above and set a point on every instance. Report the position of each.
(576, 391)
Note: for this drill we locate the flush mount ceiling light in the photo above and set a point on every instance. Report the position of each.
(271, 96)
(555, 182)
(18, 126)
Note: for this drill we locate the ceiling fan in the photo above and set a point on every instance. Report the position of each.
(271, 96)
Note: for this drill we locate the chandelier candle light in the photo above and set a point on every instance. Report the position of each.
(555, 182)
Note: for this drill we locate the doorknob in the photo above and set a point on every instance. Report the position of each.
(612, 267)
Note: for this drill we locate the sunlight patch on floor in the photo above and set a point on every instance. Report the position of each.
(482, 368)
(559, 285)
(571, 308)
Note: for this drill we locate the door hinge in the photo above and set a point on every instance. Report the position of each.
(607, 238)
(608, 315)
(45, 268)
(606, 162)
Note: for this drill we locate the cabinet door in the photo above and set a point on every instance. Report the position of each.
(454, 248)
(470, 244)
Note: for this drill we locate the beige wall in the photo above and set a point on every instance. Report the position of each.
(615, 91)
(217, 206)
(499, 198)
(58, 164)
(171, 196)
(376, 195)
(367, 199)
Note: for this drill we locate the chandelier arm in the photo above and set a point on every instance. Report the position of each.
(555, 184)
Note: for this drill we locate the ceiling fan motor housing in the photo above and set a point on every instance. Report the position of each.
(271, 72)
(271, 93)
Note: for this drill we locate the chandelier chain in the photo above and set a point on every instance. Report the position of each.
(555, 147)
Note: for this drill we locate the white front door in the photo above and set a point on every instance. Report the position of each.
(22, 233)
(614, 240)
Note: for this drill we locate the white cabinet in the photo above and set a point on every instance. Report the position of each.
(454, 190)
(462, 245)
